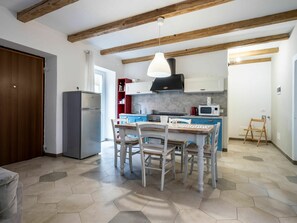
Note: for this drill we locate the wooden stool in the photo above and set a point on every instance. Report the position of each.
(260, 128)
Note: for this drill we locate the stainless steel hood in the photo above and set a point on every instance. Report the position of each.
(175, 82)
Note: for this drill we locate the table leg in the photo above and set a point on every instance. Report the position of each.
(122, 151)
(200, 141)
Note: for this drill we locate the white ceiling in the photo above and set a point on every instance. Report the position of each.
(86, 14)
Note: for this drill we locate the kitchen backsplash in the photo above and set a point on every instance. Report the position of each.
(176, 102)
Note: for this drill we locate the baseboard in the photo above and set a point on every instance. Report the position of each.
(255, 140)
(52, 154)
(289, 158)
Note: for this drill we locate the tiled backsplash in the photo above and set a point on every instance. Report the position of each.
(176, 101)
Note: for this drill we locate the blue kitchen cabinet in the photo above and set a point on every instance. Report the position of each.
(212, 121)
(134, 118)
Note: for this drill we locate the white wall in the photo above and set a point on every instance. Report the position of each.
(282, 73)
(199, 65)
(249, 96)
(70, 65)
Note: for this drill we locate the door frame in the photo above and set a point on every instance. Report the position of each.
(294, 108)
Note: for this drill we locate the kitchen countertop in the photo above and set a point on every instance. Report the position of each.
(185, 116)
(134, 114)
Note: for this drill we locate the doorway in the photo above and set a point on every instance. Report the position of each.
(105, 84)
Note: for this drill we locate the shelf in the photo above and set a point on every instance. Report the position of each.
(122, 96)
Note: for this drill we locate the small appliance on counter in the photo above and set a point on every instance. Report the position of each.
(209, 110)
(194, 111)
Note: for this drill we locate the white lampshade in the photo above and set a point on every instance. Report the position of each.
(159, 67)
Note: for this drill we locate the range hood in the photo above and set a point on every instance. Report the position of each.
(175, 82)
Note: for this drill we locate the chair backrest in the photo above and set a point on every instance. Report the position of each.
(257, 123)
(179, 120)
(215, 137)
(114, 129)
(156, 131)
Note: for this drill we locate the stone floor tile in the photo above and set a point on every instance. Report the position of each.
(283, 196)
(237, 198)
(64, 218)
(29, 201)
(54, 195)
(108, 193)
(131, 202)
(161, 211)
(192, 216)
(98, 212)
(288, 220)
(274, 207)
(253, 158)
(50, 177)
(130, 217)
(236, 178)
(69, 181)
(38, 188)
(251, 189)
(86, 187)
(255, 215)
(224, 184)
(229, 221)
(189, 200)
(75, 203)
(218, 209)
(39, 213)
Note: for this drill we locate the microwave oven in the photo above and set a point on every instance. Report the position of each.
(209, 110)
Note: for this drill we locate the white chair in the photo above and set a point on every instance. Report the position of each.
(153, 141)
(180, 145)
(210, 154)
(129, 142)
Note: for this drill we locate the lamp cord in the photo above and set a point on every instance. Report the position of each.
(159, 37)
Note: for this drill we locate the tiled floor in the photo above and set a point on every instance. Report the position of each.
(256, 184)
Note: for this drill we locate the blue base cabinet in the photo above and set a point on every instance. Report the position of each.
(134, 118)
(212, 121)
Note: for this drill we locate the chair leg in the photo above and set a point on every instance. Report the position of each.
(260, 138)
(173, 163)
(163, 172)
(207, 165)
(213, 172)
(216, 166)
(115, 155)
(143, 169)
(192, 164)
(182, 157)
(130, 158)
(186, 166)
(265, 134)
(150, 164)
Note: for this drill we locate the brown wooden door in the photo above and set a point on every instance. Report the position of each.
(21, 106)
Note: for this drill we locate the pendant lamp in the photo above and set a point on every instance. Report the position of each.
(159, 66)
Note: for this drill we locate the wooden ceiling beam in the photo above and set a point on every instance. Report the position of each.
(147, 17)
(41, 9)
(212, 48)
(259, 60)
(254, 53)
(206, 32)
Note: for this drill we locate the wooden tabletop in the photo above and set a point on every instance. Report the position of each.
(179, 127)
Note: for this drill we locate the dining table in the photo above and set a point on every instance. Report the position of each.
(196, 133)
